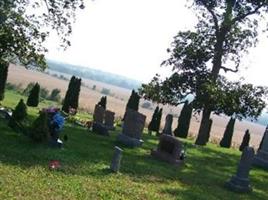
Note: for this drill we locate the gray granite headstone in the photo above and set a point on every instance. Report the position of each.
(261, 158)
(240, 182)
(168, 125)
(99, 113)
(109, 119)
(115, 164)
(98, 118)
(169, 149)
(134, 123)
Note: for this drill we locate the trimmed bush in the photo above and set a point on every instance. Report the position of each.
(71, 99)
(40, 131)
(153, 123)
(228, 134)
(184, 121)
(55, 95)
(103, 102)
(20, 111)
(245, 141)
(134, 100)
(33, 99)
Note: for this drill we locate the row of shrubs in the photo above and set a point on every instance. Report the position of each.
(44, 93)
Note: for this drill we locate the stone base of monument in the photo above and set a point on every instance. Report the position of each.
(100, 129)
(166, 157)
(128, 141)
(169, 150)
(261, 159)
(240, 185)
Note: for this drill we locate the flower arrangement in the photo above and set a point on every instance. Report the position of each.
(54, 165)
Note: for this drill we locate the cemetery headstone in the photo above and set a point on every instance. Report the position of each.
(132, 129)
(115, 164)
(98, 115)
(109, 120)
(240, 182)
(98, 118)
(168, 125)
(261, 158)
(169, 149)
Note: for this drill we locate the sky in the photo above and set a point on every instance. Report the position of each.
(130, 38)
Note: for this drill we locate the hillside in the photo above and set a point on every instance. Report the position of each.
(93, 74)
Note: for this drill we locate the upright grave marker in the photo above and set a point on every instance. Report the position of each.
(169, 149)
(168, 125)
(132, 129)
(109, 120)
(240, 182)
(98, 118)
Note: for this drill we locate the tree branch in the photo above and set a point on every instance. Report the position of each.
(215, 19)
(226, 69)
(240, 17)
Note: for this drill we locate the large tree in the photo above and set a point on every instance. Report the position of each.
(225, 31)
(25, 26)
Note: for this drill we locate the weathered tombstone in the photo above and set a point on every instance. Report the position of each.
(115, 164)
(261, 158)
(109, 120)
(98, 118)
(169, 149)
(240, 182)
(168, 125)
(134, 123)
(98, 115)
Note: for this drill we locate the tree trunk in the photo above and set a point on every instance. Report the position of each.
(203, 134)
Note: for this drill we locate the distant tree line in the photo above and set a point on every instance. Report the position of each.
(93, 74)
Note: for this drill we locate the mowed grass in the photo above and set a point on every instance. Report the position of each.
(85, 174)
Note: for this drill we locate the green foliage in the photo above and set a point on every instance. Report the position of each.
(55, 95)
(184, 120)
(226, 140)
(103, 102)
(223, 34)
(71, 99)
(20, 111)
(23, 33)
(33, 99)
(3, 77)
(28, 88)
(133, 101)
(44, 93)
(40, 131)
(245, 141)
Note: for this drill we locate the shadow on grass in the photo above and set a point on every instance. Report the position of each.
(88, 154)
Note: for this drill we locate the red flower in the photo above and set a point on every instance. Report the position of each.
(54, 164)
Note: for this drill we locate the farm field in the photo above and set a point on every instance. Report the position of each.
(117, 103)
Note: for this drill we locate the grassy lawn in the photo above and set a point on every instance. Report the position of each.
(86, 157)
